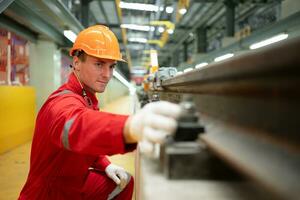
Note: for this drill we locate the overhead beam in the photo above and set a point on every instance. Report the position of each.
(4, 4)
(21, 10)
(17, 28)
(199, 23)
(103, 12)
(57, 7)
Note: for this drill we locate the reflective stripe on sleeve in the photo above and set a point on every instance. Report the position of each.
(62, 92)
(65, 134)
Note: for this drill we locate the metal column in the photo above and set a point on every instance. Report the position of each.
(201, 40)
(230, 12)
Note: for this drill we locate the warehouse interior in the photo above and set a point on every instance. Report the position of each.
(232, 64)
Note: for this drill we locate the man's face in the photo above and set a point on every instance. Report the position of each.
(94, 73)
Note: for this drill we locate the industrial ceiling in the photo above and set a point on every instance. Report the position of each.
(176, 29)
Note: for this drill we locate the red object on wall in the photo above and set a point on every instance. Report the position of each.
(19, 60)
(3, 50)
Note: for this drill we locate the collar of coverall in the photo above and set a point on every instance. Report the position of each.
(74, 85)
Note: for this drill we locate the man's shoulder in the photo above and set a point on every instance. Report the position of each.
(65, 97)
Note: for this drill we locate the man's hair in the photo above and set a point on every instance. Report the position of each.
(80, 54)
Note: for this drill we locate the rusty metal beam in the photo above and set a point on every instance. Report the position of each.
(250, 107)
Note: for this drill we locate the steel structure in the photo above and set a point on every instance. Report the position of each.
(249, 106)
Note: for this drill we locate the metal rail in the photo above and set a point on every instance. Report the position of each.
(250, 108)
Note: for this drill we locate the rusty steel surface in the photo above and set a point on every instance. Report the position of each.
(266, 65)
(251, 104)
(274, 167)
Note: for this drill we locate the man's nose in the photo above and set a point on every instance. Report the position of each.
(106, 72)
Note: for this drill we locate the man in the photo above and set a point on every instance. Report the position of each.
(72, 138)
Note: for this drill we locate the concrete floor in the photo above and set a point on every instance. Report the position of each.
(150, 183)
(14, 164)
(154, 185)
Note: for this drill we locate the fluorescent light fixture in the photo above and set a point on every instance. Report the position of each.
(141, 40)
(182, 11)
(123, 80)
(224, 57)
(70, 35)
(201, 65)
(161, 8)
(139, 6)
(161, 29)
(169, 9)
(187, 70)
(271, 40)
(137, 27)
(170, 31)
(178, 73)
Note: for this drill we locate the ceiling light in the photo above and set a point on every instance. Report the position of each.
(271, 40)
(141, 40)
(138, 6)
(161, 8)
(224, 57)
(201, 65)
(161, 29)
(137, 27)
(170, 31)
(70, 35)
(182, 11)
(152, 28)
(169, 9)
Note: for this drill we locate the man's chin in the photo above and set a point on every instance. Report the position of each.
(100, 90)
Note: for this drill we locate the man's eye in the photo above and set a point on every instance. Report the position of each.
(112, 66)
(98, 64)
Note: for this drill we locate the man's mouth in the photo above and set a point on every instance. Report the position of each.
(102, 82)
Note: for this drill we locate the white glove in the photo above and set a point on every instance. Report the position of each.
(155, 121)
(149, 149)
(118, 175)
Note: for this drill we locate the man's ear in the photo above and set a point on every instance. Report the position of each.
(76, 62)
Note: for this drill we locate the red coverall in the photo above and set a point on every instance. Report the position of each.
(69, 138)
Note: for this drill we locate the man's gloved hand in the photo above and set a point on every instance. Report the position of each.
(117, 174)
(153, 122)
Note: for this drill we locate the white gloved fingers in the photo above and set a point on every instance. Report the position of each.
(111, 171)
(164, 108)
(155, 135)
(160, 122)
(115, 178)
(160, 116)
(146, 147)
(123, 178)
(122, 174)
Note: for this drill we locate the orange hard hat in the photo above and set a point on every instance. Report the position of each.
(98, 41)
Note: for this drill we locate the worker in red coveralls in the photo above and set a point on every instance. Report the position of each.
(72, 138)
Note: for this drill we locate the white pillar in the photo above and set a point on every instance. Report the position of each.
(45, 66)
